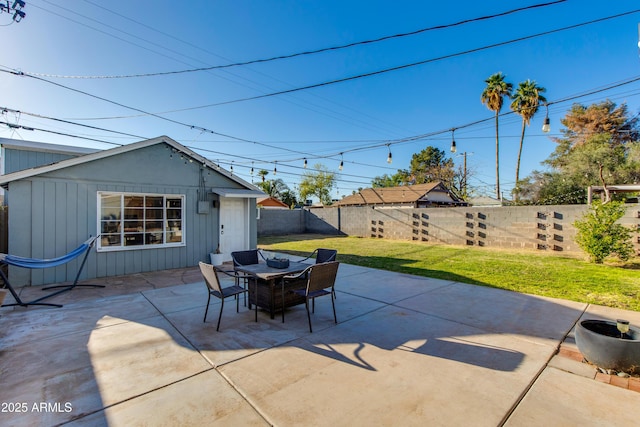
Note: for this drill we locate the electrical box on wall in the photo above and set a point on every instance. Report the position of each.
(203, 207)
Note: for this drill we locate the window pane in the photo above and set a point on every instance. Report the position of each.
(153, 226)
(133, 239)
(174, 203)
(154, 214)
(110, 213)
(153, 238)
(110, 200)
(109, 227)
(133, 213)
(110, 240)
(174, 236)
(133, 201)
(154, 202)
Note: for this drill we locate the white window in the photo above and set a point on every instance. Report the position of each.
(138, 221)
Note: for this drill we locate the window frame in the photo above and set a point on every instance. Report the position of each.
(144, 221)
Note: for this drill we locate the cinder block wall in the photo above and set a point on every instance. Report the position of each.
(536, 228)
(277, 222)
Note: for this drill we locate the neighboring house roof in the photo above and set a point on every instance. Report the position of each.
(178, 149)
(485, 201)
(418, 194)
(271, 202)
(45, 147)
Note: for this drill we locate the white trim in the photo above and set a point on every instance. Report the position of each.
(237, 192)
(122, 247)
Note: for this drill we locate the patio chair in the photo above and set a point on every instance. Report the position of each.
(247, 257)
(320, 281)
(322, 255)
(210, 274)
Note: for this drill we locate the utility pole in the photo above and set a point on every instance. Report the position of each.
(15, 9)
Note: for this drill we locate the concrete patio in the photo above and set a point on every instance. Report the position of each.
(407, 351)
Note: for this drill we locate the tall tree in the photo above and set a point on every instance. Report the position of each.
(319, 183)
(493, 97)
(599, 146)
(525, 102)
(273, 187)
(430, 164)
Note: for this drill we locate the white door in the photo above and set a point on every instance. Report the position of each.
(234, 225)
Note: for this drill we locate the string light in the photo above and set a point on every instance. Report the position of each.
(453, 141)
(231, 168)
(275, 168)
(251, 172)
(341, 163)
(305, 163)
(546, 126)
(389, 157)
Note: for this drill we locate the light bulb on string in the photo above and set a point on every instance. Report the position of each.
(389, 157)
(341, 163)
(546, 125)
(275, 168)
(305, 163)
(453, 141)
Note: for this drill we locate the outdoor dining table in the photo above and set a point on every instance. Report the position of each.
(268, 292)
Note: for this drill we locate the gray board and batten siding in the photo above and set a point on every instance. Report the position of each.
(51, 213)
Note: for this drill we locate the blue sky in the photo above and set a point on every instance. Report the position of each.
(358, 117)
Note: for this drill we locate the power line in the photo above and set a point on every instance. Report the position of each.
(304, 53)
(387, 143)
(379, 72)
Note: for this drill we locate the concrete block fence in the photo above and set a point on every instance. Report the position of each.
(536, 228)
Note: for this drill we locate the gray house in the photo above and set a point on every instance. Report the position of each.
(155, 204)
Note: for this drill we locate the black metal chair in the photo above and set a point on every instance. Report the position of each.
(210, 274)
(320, 281)
(247, 257)
(322, 255)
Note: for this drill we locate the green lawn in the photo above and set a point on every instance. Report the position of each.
(531, 273)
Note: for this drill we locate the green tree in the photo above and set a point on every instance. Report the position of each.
(289, 198)
(399, 178)
(273, 187)
(429, 165)
(319, 183)
(525, 102)
(599, 146)
(493, 97)
(600, 236)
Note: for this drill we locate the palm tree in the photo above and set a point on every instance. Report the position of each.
(492, 96)
(525, 102)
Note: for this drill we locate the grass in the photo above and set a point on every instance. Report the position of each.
(612, 285)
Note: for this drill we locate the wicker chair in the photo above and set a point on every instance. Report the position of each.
(248, 257)
(322, 255)
(320, 281)
(210, 274)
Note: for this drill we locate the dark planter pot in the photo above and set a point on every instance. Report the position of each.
(600, 343)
